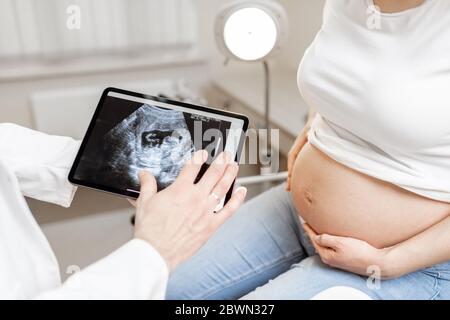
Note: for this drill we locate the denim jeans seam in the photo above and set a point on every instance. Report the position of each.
(239, 278)
(437, 286)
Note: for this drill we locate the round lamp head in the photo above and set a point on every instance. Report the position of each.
(251, 30)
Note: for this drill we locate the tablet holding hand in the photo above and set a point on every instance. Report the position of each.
(178, 220)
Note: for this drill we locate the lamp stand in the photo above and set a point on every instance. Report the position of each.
(267, 168)
(267, 100)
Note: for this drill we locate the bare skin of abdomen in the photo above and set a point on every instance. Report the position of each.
(337, 200)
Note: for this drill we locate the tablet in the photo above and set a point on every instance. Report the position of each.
(130, 132)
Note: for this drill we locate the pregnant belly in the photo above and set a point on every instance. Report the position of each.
(336, 200)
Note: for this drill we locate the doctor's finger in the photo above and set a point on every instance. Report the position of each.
(221, 188)
(148, 185)
(236, 200)
(215, 172)
(192, 167)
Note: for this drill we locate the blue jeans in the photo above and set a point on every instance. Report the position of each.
(263, 253)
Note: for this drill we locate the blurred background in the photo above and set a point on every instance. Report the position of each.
(52, 75)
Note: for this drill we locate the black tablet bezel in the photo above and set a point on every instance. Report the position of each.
(131, 194)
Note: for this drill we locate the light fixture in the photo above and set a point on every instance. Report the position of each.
(253, 31)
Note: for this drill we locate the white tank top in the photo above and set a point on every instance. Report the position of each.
(381, 86)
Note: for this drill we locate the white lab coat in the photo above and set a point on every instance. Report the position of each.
(36, 165)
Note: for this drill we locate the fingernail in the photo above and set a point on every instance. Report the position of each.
(204, 155)
(243, 190)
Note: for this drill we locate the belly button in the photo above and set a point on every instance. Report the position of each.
(309, 197)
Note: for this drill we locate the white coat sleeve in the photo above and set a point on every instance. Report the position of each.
(40, 162)
(135, 271)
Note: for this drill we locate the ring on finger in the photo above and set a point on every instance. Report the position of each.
(216, 197)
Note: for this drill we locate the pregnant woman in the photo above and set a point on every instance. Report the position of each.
(369, 174)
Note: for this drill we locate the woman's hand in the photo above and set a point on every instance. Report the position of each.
(180, 219)
(297, 147)
(293, 153)
(351, 254)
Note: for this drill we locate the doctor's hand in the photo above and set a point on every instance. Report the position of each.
(180, 219)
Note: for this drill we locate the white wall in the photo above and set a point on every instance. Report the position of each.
(15, 95)
(305, 18)
(19, 79)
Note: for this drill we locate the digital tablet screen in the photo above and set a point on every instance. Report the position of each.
(131, 132)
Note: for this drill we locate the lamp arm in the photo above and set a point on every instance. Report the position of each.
(267, 100)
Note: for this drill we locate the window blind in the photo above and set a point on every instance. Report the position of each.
(38, 28)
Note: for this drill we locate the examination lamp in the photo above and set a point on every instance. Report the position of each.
(253, 31)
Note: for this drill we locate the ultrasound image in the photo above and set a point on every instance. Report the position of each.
(153, 139)
(129, 137)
